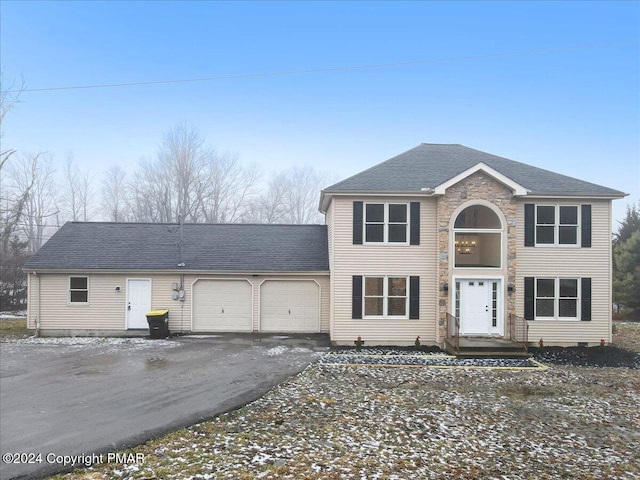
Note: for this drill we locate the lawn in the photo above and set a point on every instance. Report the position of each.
(335, 422)
(13, 327)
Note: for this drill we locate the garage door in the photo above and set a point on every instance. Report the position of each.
(222, 306)
(289, 306)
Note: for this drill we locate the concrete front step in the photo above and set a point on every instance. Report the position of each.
(485, 347)
(490, 354)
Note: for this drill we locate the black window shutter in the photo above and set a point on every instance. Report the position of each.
(357, 223)
(414, 297)
(529, 298)
(356, 297)
(415, 223)
(529, 225)
(586, 225)
(585, 310)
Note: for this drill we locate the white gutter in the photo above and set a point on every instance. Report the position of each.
(325, 196)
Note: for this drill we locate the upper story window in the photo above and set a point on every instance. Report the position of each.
(478, 238)
(556, 225)
(386, 223)
(78, 290)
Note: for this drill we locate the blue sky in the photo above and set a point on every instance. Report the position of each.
(553, 84)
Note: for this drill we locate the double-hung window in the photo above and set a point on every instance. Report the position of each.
(78, 290)
(385, 296)
(556, 225)
(557, 298)
(386, 223)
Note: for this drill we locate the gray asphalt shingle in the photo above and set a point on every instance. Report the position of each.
(156, 246)
(429, 165)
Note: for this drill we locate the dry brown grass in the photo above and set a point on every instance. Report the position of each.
(627, 335)
(13, 328)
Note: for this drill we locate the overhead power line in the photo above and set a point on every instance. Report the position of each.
(326, 69)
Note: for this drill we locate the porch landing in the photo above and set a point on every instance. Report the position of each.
(485, 347)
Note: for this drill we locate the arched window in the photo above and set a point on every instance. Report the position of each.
(478, 238)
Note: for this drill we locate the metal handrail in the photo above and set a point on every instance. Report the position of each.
(519, 330)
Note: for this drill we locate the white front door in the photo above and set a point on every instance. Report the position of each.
(478, 305)
(138, 302)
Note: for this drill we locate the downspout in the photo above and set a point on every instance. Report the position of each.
(182, 303)
(35, 274)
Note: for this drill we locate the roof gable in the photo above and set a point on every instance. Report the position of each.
(429, 166)
(515, 187)
(204, 247)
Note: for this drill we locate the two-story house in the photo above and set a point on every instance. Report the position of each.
(438, 241)
(445, 232)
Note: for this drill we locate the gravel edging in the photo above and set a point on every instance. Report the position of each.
(345, 422)
(427, 360)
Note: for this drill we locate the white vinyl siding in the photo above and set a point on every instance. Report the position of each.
(107, 310)
(374, 260)
(594, 263)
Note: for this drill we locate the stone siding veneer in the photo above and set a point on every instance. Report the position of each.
(478, 186)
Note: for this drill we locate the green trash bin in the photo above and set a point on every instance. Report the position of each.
(158, 321)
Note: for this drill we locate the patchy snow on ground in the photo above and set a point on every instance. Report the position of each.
(13, 315)
(276, 351)
(346, 422)
(201, 336)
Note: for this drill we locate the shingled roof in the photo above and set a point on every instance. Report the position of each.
(206, 247)
(429, 165)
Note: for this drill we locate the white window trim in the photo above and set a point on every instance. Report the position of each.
(556, 299)
(385, 223)
(69, 290)
(556, 226)
(385, 297)
(471, 231)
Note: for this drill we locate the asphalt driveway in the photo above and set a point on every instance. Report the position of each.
(66, 397)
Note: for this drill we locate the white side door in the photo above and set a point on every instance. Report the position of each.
(138, 302)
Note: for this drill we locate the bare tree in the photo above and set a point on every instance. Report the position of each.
(226, 189)
(269, 206)
(181, 160)
(151, 194)
(76, 192)
(35, 174)
(15, 196)
(70, 195)
(114, 193)
(87, 194)
(8, 99)
(190, 181)
(301, 198)
(13, 254)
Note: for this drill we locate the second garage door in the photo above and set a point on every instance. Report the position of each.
(222, 306)
(289, 306)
